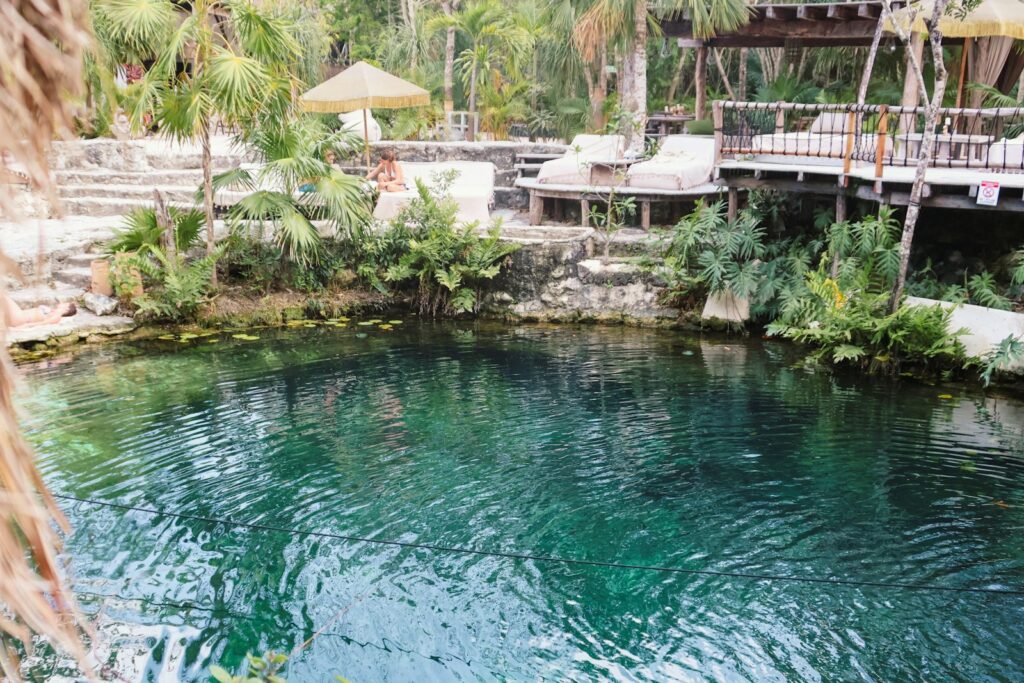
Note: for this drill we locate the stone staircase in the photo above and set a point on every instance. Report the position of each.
(112, 178)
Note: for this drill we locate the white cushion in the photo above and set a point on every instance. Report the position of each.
(353, 122)
(472, 189)
(682, 161)
(830, 122)
(1007, 153)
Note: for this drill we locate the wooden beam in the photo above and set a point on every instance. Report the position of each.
(811, 12)
(701, 83)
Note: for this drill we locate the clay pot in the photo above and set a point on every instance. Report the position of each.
(101, 277)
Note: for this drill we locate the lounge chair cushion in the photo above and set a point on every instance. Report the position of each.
(574, 167)
(682, 162)
(830, 122)
(1007, 153)
(472, 190)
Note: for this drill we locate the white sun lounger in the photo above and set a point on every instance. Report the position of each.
(472, 189)
(682, 162)
(574, 167)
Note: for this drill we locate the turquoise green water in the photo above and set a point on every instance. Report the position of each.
(616, 445)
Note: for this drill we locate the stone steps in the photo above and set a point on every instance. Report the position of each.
(79, 276)
(46, 295)
(109, 206)
(192, 177)
(171, 193)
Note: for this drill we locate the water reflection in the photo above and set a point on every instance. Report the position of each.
(632, 446)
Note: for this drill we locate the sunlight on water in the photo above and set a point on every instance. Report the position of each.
(618, 445)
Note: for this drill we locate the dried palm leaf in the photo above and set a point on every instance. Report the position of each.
(41, 45)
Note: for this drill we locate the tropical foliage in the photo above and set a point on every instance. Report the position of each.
(173, 285)
(240, 62)
(293, 185)
(424, 247)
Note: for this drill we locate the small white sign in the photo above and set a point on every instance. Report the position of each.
(988, 193)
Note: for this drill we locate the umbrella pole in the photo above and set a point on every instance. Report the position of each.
(366, 140)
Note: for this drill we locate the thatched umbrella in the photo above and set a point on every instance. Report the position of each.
(362, 86)
(1002, 20)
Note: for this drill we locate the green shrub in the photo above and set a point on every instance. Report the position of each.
(140, 229)
(423, 247)
(855, 327)
(175, 287)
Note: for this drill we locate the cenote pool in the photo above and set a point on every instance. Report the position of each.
(607, 444)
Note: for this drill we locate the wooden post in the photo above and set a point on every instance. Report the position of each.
(734, 204)
(585, 213)
(780, 119)
(645, 215)
(700, 82)
(718, 119)
(851, 123)
(883, 129)
(963, 73)
(536, 208)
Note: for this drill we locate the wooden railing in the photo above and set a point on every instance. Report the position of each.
(879, 135)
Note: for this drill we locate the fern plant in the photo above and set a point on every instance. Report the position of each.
(854, 327)
(1009, 351)
(175, 287)
(424, 246)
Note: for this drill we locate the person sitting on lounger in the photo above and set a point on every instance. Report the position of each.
(13, 316)
(388, 173)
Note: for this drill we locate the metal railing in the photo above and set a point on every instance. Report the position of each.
(879, 135)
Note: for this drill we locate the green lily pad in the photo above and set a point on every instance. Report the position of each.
(375, 321)
(245, 337)
(309, 325)
(167, 337)
(185, 336)
(213, 341)
(362, 335)
(394, 322)
(364, 323)
(385, 326)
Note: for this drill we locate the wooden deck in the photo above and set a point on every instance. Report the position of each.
(950, 188)
(585, 194)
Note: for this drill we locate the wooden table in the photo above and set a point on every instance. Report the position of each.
(963, 146)
(670, 122)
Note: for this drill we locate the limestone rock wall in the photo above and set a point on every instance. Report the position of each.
(562, 280)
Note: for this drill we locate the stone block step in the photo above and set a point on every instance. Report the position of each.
(175, 194)
(80, 276)
(83, 260)
(191, 177)
(107, 206)
(45, 295)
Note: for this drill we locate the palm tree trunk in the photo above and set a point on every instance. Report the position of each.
(638, 90)
(862, 92)
(722, 74)
(208, 195)
(925, 155)
(449, 69)
(741, 86)
(677, 78)
(472, 104)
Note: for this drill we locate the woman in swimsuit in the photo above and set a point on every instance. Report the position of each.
(388, 173)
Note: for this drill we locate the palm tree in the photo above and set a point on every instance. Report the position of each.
(294, 186)
(213, 59)
(625, 23)
(495, 43)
